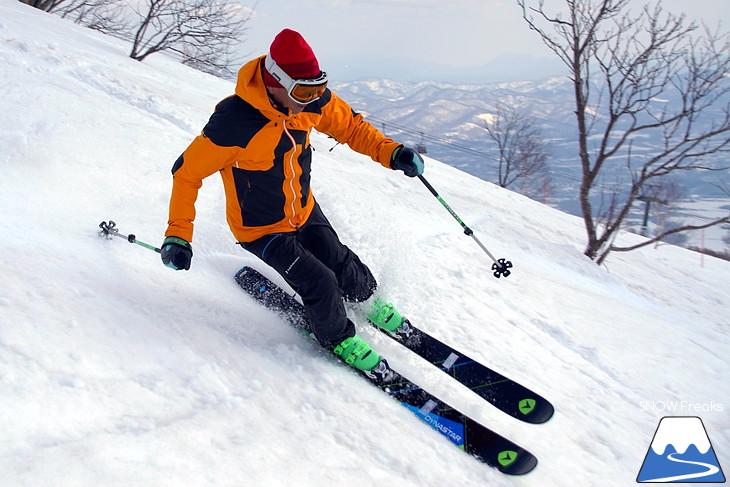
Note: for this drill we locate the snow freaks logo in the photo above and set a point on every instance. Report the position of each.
(681, 452)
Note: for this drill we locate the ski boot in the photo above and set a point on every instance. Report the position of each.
(357, 353)
(385, 316)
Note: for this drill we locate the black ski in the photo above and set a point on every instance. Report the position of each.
(484, 444)
(509, 396)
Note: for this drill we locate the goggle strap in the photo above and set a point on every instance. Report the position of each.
(290, 84)
(287, 81)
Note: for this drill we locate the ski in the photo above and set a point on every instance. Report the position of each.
(507, 395)
(467, 434)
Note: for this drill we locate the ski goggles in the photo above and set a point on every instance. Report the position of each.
(302, 91)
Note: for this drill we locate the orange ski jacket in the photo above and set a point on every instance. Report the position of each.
(264, 156)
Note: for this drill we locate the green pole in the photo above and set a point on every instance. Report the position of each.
(110, 230)
(500, 266)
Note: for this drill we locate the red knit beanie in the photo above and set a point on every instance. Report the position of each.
(292, 53)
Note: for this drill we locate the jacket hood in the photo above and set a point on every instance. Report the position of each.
(250, 86)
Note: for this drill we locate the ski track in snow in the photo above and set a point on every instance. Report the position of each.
(116, 371)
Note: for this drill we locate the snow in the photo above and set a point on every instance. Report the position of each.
(117, 371)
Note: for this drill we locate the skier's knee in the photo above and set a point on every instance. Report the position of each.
(361, 287)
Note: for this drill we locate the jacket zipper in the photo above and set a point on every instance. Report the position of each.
(293, 174)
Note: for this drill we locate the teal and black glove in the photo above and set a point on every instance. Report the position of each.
(408, 161)
(176, 253)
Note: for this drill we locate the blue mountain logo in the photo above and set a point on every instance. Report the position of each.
(681, 452)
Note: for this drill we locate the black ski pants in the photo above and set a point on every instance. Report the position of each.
(322, 270)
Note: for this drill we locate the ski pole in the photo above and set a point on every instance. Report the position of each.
(500, 266)
(110, 230)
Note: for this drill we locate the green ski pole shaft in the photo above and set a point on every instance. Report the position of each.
(500, 266)
(110, 230)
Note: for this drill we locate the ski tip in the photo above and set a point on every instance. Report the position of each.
(535, 411)
(513, 462)
(525, 466)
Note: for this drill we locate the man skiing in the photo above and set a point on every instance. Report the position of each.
(258, 140)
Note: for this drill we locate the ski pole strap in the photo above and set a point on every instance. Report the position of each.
(500, 266)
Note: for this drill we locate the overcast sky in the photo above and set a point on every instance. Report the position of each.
(459, 33)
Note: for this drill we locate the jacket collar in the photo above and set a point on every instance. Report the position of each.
(250, 86)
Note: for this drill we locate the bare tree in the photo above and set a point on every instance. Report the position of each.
(47, 5)
(209, 60)
(624, 66)
(204, 31)
(522, 150)
(106, 16)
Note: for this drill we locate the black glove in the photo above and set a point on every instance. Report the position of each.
(408, 161)
(176, 253)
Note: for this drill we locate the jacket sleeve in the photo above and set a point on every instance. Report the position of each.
(347, 127)
(200, 160)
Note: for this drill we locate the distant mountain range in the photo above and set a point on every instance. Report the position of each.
(506, 67)
(449, 120)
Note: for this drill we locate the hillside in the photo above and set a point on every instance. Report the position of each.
(117, 371)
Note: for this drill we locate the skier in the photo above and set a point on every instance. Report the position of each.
(258, 140)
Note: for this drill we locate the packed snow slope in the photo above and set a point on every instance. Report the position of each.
(117, 371)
